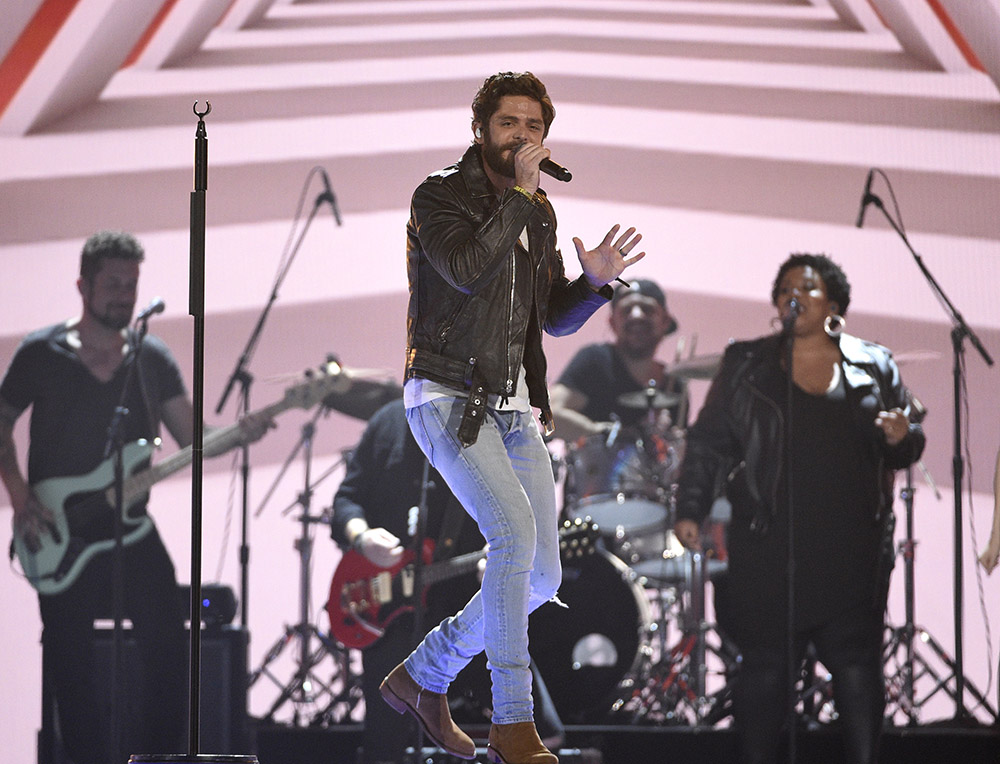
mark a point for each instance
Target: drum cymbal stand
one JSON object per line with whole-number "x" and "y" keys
{"x": 305, "y": 689}
{"x": 674, "y": 689}
{"x": 903, "y": 662}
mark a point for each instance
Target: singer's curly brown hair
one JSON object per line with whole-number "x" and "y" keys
{"x": 835, "y": 280}
{"x": 495, "y": 87}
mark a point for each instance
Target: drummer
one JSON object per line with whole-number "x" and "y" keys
{"x": 609, "y": 381}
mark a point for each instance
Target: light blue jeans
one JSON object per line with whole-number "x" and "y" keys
{"x": 504, "y": 481}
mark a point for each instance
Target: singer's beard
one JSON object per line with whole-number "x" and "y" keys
{"x": 494, "y": 157}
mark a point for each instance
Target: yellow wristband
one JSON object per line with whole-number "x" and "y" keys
{"x": 524, "y": 192}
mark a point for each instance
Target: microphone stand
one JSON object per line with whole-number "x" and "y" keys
{"x": 113, "y": 448}
{"x": 196, "y": 307}
{"x": 791, "y": 658}
{"x": 959, "y": 333}
{"x": 245, "y": 380}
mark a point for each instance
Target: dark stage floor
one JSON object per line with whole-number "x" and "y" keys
{"x": 929, "y": 744}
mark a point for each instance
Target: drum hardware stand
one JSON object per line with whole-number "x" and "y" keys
{"x": 673, "y": 690}
{"x": 305, "y": 688}
{"x": 900, "y": 683}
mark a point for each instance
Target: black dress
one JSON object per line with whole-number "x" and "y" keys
{"x": 836, "y": 534}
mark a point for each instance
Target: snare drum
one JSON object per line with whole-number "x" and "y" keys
{"x": 584, "y": 650}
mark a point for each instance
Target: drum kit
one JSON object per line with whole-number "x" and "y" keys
{"x": 633, "y": 645}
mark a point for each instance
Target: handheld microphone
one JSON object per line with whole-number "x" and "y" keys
{"x": 327, "y": 195}
{"x": 557, "y": 171}
{"x": 866, "y": 199}
{"x": 156, "y": 306}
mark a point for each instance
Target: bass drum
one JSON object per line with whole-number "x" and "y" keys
{"x": 585, "y": 649}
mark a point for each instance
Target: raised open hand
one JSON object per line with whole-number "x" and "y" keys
{"x": 610, "y": 258}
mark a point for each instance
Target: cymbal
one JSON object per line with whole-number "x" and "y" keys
{"x": 698, "y": 367}
{"x": 648, "y": 399}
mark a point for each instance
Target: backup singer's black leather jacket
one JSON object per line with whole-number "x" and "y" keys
{"x": 478, "y": 300}
{"x": 740, "y": 430}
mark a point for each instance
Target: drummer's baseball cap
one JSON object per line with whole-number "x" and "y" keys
{"x": 646, "y": 288}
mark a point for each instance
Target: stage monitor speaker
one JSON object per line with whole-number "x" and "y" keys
{"x": 223, "y": 696}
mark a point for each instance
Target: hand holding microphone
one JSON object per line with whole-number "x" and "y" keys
{"x": 527, "y": 165}
{"x": 525, "y": 157}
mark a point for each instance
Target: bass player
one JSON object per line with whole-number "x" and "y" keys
{"x": 72, "y": 375}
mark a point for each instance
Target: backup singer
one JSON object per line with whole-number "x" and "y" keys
{"x": 851, "y": 429}
{"x": 485, "y": 280}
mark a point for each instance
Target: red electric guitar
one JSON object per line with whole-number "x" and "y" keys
{"x": 365, "y": 599}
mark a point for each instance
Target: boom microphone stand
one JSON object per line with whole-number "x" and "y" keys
{"x": 245, "y": 379}
{"x": 959, "y": 333}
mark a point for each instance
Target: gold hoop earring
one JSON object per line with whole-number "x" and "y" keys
{"x": 834, "y": 325}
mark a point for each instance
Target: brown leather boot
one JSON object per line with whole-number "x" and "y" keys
{"x": 430, "y": 708}
{"x": 518, "y": 743}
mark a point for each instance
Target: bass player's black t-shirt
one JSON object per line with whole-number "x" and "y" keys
{"x": 72, "y": 409}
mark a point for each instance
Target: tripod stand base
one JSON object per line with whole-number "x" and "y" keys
{"x": 928, "y": 661}
{"x": 198, "y": 758}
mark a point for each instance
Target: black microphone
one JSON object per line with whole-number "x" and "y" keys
{"x": 866, "y": 199}
{"x": 156, "y": 306}
{"x": 549, "y": 167}
{"x": 557, "y": 171}
{"x": 794, "y": 309}
{"x": 327, "y": 196}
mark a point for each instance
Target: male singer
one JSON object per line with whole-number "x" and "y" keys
{"x": 485, "y": 280}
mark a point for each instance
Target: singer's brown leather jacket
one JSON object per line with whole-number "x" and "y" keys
{"x": 478, "y": 300}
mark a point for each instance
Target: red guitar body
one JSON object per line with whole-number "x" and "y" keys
{"x": 365, "y": 599}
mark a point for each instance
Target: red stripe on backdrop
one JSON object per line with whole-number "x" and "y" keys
{"x": 154, "y": 25}
{"x": 956, "y": 35}
{"x": 30, "y": 46}
{"x": 880, "y": 16}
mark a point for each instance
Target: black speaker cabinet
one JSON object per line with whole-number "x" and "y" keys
{"x": 223, "y": 698}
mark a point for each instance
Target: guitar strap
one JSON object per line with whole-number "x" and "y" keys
{"x": 451, "y": 526}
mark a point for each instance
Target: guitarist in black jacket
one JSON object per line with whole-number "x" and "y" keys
{"x": 371, "y": 516}
{"x": 72, "y": 375}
